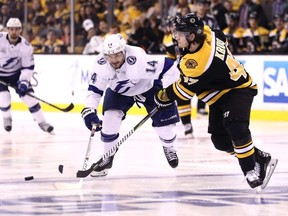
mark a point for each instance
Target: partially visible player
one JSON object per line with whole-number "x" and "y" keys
{"x": 209, "y": 70}
{"x": 173, "y": 52}
{"x": 16, "y": 69}
{"x": 125, "y": 75}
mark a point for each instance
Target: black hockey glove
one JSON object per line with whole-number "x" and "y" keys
{"x": 22, "y": 88}
{"x": 90, "y": 118}
{"x": 161, "y": 99}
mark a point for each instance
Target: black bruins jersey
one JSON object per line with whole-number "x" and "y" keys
{"x": 209, "y": 72}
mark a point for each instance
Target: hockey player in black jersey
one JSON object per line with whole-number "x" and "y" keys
{"x": 209, "y": 70}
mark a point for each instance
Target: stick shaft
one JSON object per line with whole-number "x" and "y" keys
{"x": 85, "y": 173}
{"x": 67, "y": 109}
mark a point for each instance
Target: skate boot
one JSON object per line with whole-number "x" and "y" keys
{"x": 7, "y": 124}
{"x": 264, "y": 166}
{"x": 253, "y": 179}
{"x": 105, "y": 164}
{"x": 46, "y": 127}
{"x": 171, "y": 156}
{"x": 188, "y": 130}
{"x": 262, "y": 161}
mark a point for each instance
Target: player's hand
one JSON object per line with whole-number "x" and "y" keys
{"x": 22, "y": 88}
{"x": 161, "y": 99}
{"x": 90, "y": 118}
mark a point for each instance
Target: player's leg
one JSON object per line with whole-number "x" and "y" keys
{"x": 37, "y": 113}
{"x": 5, "y": 107}
{"x": 184, "y": 109}
{"x": 164, "y": 123}
{"x": 236, "y": 109}
{"x": 115, "y": 107}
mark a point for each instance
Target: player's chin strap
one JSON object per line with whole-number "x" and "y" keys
{"x": 85, "y": 173}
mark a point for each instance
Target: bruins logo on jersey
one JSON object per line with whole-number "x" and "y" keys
{"x": 191, "y": 64}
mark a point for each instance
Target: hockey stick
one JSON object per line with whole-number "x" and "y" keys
{"x": 85, "y": 173}
{"x": 67, "y": 109}
{"x": 77, "y": 186}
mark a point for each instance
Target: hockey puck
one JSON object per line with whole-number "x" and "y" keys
{"x": 28, "y": 178}
{"x": 60, "y": 168}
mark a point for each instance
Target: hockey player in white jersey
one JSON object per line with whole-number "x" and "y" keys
{"x": 16, "y": 69}
{"x": 123, "y": 75}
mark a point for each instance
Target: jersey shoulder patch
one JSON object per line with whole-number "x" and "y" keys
{"x": 102, "y": 61}
{"x": 131, "y": 60}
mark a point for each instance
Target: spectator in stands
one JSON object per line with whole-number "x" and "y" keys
{"x": 279, "y": 7}
{"x": 115, "y": 28}
{"x": 35, "y": 11}
{"x": 103, "y": 28}
{"x": 176, "y": 9}
{"x": 5, "y": 14}
{"x": 91, "y": 14}
{"x": 255, "y": 37}
{"x": 285, "y": 50}
{"x": 61, "y": 12}
{"x": 202, "y": 11}
{"x": 277, "y": 36}
{"x": 246, "y": 8}
{"x": 219, "y": 11}
{"x": 94, "y": 42}
{"x": 136, "y": 33}
{"x": 53, "y": 45}
{"x": 234, "y": 34}
{"x": 18, "y": 10}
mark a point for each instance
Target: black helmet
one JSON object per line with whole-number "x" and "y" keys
{"x": 170, "y": 20}
{"x": 190, "y": 23}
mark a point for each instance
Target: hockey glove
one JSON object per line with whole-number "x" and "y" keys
{"x": 161, "y": 99}
{"x": 90, "y": 117}
{"x": 22, "y": 88}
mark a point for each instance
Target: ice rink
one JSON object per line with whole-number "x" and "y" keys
{"x": 206, "y": 182}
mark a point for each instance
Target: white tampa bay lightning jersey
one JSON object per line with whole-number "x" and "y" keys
{"x": 15, "y": 58}
{"x": 134, "y": 77}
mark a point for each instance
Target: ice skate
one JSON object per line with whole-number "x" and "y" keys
{"x": 270, "y": 170}
{"x": 7, "y": 122}
{"x": 264, "y": 166}
{"x": 262, "y": 161}
{"x": 253, "y": 179}
{"x": 171, "y": 156}
{"x": 188, "y": 130}
{"x": 104, "y": 164}
{"x": 46, "y": 127}
{"x": 99, "y": 174}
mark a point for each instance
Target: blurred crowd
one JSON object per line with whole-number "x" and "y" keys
{"x": 251, "y": 26}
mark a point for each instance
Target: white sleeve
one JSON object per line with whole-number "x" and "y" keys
{"x": 27, "y": 59}
{"x": 171, "y": 76}
{"x": 97, "y": 85}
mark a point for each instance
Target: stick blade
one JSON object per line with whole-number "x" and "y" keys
{"x": 69, "y": 108}
{"x": 84, "y": 173}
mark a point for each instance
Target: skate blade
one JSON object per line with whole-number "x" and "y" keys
{"x": 272, "y": 165}
{"x": 99, "y": 174}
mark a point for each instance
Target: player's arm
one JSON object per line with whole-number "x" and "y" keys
{"x": 27, "y": 60}
{"x": 178, "y": 89}
{"x": 170, "y": 72}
